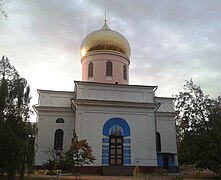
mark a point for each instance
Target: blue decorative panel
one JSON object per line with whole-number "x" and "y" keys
{"x": 105, "y": 156}
{"x": 127, "y": 146}
{"x": 105, "y": 151}
{"x": 105, "y": 161}
{"x": 127, "y": 161}
{"x": 105, "y": 146}
{"x": 127, "y": 151}
{"x": 105, "y": 140}
{"x": 171, "y": 160}
{"x": 127, "y": 156}
{"x": 126, "y": 141}
{"x": 116, "y": 122}
{"x": 160, "y": 162}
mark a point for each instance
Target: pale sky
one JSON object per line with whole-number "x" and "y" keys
{"x": 171, "y": 41}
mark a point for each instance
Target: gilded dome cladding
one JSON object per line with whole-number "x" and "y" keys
{"x": 105, "y": 39}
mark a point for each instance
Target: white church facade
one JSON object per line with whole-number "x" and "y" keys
{"x": 126, "y": 125}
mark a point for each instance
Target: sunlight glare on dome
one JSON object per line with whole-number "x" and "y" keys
{"x": 83, "y": 52}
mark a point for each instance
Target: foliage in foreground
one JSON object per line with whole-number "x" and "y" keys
{"x": 79, "y": 154}
{"x": 198, "y": 119}
{"x": 16, "y": 132}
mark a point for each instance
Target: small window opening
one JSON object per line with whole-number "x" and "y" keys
{"x": 60, "y": 120}
{"x": 125, "y": 72}
{"x": 109, "y": 69}
{"x": 91, "y": 70}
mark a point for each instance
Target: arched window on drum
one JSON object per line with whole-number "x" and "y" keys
{"x": 109, "y": 68}
{"x": 91, "y": 70}
{"x": 124, "y": 72}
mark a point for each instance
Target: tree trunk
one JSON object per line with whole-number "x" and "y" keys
{"x": 11, "y": 175}
{"x": 2, "y": 174}
{"x": 22, "y": 172}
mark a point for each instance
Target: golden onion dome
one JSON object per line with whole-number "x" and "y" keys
{"x": 105, "y": 39}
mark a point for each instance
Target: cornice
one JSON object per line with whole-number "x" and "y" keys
{"x": 165, "y": 114}
{"x": 51, "y": 109}
{"x": 87, "y": 102}
{"x": 114, "y": 85}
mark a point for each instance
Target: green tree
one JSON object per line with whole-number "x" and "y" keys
{"x": 79, "y": 154}
{"x": 198, "y": 128}
{"x": 16, "y": 132}
{"x": 211, "y": 158}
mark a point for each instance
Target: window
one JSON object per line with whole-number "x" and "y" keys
{"x": 158, "y": 139}
{"x": 58, "y": 139}
{"x": 91, "y": 70}
{"x": 125, "y": 72}
{"x": 109, "y": 68}
{"x": 60, "y": 120}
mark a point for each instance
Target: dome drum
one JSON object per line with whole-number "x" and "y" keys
{"x": 99, "y": 61}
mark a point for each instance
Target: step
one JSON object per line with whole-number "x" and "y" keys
{"x": 116, "y": 170}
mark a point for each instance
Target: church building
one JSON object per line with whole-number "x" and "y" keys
{"x": 126, "y": 125}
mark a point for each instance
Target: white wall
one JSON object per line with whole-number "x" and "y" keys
{"x": 167, "y": 130}
{"x": 53, "y": 105}
{"x": 166, "y": 104}
{"x": 91, "y": 118}
{"x": 55, "y": 98}
{"x": 112, "y": 92}
{"x": 46, "y": 130}
{"x": 90, "y": 121}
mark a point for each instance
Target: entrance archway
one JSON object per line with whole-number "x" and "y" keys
{"x": 116, "y": 148}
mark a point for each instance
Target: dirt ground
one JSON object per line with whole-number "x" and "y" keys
{"x": 96, "y": 177}
{"x": 196, "y": 174}
{"x": 190, "y": 174}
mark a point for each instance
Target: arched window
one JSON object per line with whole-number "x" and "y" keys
{"x": 58, "y": 139}
{"x": 158, "y": 141}
{"x": 109, "y": 68}
{"x": 125, "y": 72}
{"x": 91, "y": 70}
{"x": 60, "y": 120}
